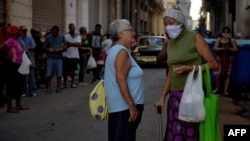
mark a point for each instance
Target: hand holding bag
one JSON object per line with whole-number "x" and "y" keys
{"x": 97, "y": 102}
{"x": 191, "y": 108}
{"x": 91, "y": 62}
{"x": 209, "y": 128}
{"x": 25, "y": 65}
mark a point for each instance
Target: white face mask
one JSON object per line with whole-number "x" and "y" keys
{"x": 43, "y": 33}
{"x": 173, "y": 31}
{"x": 226, "y": 35}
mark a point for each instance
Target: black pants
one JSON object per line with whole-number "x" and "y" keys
{"x": 2, "y": 83}
{"x": 119, "y": 129}
{"x": 83, "y": 65}
{"x": 13, "y": 79}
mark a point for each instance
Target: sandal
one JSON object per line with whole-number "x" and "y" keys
{"x": 22, "y": 108}
{"x": 226, "y": 93}
{"x": 12, "y": 111}
{"x": 215, "y": 90}
{"x": 73, "y": 86}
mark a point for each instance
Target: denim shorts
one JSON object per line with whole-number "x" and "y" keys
{"x": 54, "y": 66}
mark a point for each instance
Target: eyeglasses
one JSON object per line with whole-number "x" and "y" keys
{"x": 130, "y": 29}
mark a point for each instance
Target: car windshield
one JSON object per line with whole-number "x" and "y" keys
{"x": 152, "y": 41}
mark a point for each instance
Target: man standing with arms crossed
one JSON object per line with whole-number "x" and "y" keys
{"x": 54, "y": 45}
{"x": 73, "y": 42}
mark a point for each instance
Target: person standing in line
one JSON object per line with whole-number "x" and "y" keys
{"x": 225, "y": 48}
{"x": 95, "y": 43}
{"x": 28, "y": 45}
{"x": 107, "y": 43}
{"x": 2, "y": 73}
{"x": 185, "y": 49}
{"x": 84, "y": 52}
{"x": 123, "y": 84}
{"x": 71, "y": 59}
{"x": 54, "y": 45}
{"x": 40, "y": 56}
{"x": 13, "y": 58}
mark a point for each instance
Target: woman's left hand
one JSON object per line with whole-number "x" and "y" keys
{"x": 181, "y": 69}
{"x": 134, "y": 113}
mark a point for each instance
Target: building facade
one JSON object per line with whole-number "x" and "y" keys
{"x": 144, "y": 15}
{"x": 232, "y": 13}
{"x": 184, "y": 6}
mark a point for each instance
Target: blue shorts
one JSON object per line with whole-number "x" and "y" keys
{"x": 54, "y": 66}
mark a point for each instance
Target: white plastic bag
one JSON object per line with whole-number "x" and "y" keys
{"x": 25, "y": 65}
{"x": 91, "y": 62}
{"x": 191, "y": 108}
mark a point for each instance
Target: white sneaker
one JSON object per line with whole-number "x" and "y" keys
{"x": 34, "y": 94}
{"x": 23, "y": 95}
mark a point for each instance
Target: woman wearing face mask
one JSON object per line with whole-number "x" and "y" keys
{"x": 225, "y": 47}
{"x": 184, "y": 49}
{"x": 40, "y": 58}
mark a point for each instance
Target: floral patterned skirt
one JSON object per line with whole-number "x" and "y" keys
{"x": 176, "y": 129}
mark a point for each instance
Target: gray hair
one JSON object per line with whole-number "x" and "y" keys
{"x": 116, "y": 27}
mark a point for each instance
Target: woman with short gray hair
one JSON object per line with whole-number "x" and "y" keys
{"x": 123, "y": 86}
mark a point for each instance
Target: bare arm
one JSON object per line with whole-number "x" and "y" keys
{"x": 73, "y": 44}
{"x": 161, "y": 101}
{"x": 47, "y": 48}
{"x": 86, "y": 48}
{"x": 216, "y": 45}
{"x": 162, "y": 56}
{"x": 235, "y": 48}
{"x": 122, "y": 66}
{"x": 203, "y": 49}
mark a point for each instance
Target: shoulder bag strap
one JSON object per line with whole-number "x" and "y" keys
{"x": 207, "y": 80}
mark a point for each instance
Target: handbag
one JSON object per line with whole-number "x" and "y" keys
{"x": 91, "y": 62}
{"x": 101, "y": 58}
{"x": 97, "y": 102}
{"x": 191, "y": 108}
{"x": 25, "y": 65}
{"x": 209, "y": 128}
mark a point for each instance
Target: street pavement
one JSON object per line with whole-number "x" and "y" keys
{"x": 66, "y": 116}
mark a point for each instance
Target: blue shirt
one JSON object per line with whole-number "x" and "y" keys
{"x": 135, "y": 83}
{"x": 27, "y": 41}
{"x": 54, "y": 42}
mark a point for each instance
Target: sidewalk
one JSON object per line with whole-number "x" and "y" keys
{"x": 229, "y": 114}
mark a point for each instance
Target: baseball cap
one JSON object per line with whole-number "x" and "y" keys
{"x": 22, "y": 28}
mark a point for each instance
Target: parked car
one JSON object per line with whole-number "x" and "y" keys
{"x": 147, "y": 49}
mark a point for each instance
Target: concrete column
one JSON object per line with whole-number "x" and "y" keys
{"x": 70, "y": 13}
{"x": 104, "y": 15}
{"x": 133, "y": 9}
{"x": 119, "y": 9}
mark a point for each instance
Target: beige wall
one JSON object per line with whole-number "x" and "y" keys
{"x": 19, "y": 12}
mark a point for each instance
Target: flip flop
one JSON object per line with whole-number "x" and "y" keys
{"x": 12, "y": 111}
